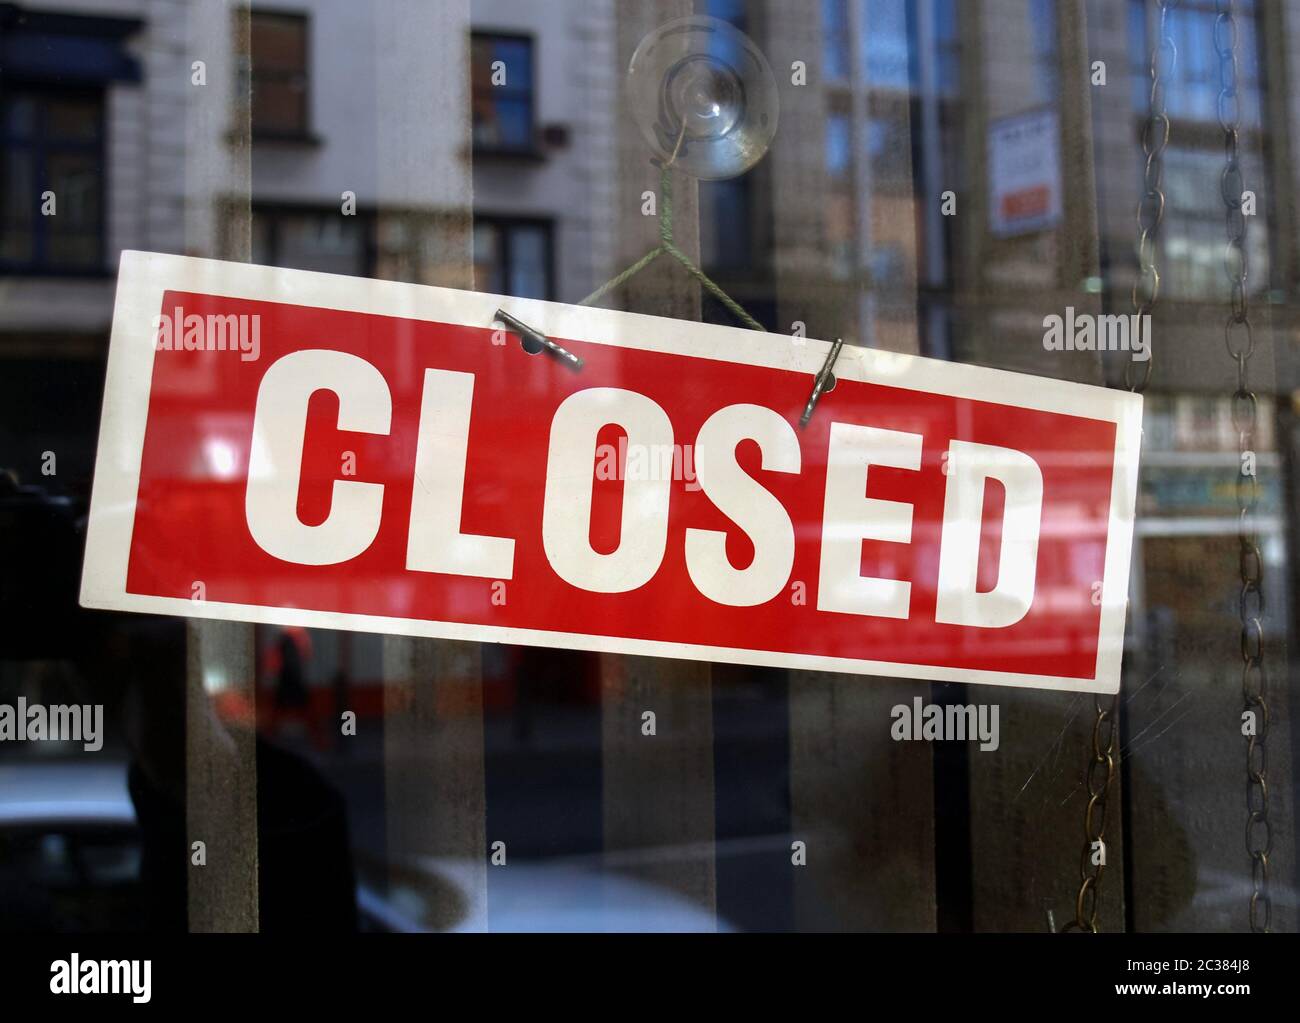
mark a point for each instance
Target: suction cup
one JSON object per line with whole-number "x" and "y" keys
{"x": 704, "y": 97}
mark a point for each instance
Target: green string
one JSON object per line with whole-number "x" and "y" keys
{"x": 667, "y": 246}
{"x": 622, "y": 278}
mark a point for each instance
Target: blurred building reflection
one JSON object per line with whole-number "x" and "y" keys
{"x": 945, "y": 176}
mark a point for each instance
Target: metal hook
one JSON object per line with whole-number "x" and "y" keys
{"x": 824, "y": 376}
{"x": 533, "y": 341}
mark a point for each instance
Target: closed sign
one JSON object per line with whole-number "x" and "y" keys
{"x": 298, "y": 448}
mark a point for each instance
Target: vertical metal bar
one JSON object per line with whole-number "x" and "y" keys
{"x": 435, "y": 798}
{"x": 658, "y": 789}
{"x": 1031, "y": 784}
{"x": 221, "y": 780}
{"x": 1080, "y": 250}
{"x": 435, "y": 808}
{"x": 859, "y": 127}
{"x": 221, "y": 767}
{"x": 933, "y": 171}
{"x": 1277, "y": 26}
{"x": 862, "y": 804}
{"x": 931, "y": 147}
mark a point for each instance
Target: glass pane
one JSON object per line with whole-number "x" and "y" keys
{"x": 279, "y": 105}
{"x": 19, "y": 115}
{"x": 887, "y": 144}
{"x": 326, "y": 242}
{"x": 74, "y": 233}
{"x": 503, "y": 124}
{"x": 489, "y": 272}
{"x": 517, "y": 56}
{"x": 529, "y": 262}
{"x": 889, "y": 29}
{"x": 279, "y": 42}
{"x": 835, "y": 36}
{"x": 481, "y": 57}
{"x": 948, "y": 43}
{"x": 1041, "y": 15}
{"x": 20, "y": 203}
{"x": 72, "y": 120}
{"x": 502, "y": 85}
{"x": 919, "y": 227}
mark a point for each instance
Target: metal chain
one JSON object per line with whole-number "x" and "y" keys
{"x": 1151, "y": 207}
{"x": 1240, "y": 342}
{"x": 1100, "y": 774}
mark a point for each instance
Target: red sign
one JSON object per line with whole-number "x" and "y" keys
{"x": 298, "y": 448}
{"x": 1030, "y": 202}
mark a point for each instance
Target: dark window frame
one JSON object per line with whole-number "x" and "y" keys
{"x": 274, "y": 213}
{"x": 39, "y": 265}
{"x": 528, "y": 92}
{"x": 304, "y": 132}
{"x": 503, "y": 223}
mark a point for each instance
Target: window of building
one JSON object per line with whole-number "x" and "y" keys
{"x": 732, "y": 11}
{"x": 1192, "y": 89}
{"x": 503, "y": 94}
{"x": 726, "y": 223}
{"x": 889, "y": 44}
{"x": 279, "y": 73}
{"x": 835, "y": 40}
{"x": 947, "y": 42}
{"x": 727, "y": 206}
{"x": 1193, "y": 231}
{"x": 889, "y": 146}
{"x": 53, "y": 144}
{"x": 840, "y": 201}
{"x": 307, "y": 239}
{"x": 513, "y": 257}
{"x": 1046, "y": 55}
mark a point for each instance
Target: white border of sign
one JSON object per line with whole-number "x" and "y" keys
{"x": 143, "y": 278}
